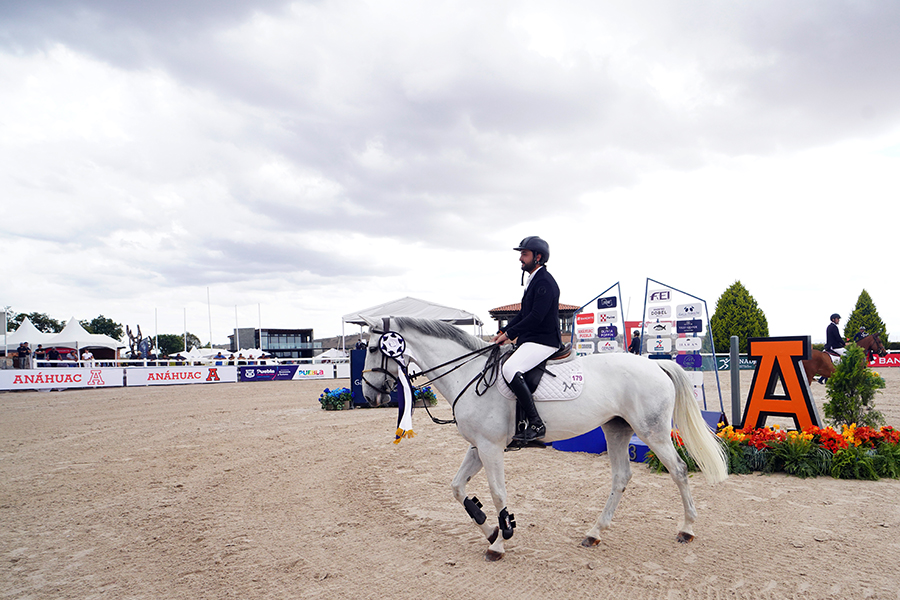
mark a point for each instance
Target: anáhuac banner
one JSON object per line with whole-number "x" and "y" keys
{"x": 58, "y": 378}
{"x": 139, "y": 376}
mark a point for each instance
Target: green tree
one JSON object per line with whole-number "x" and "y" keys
{"x": 865, "y": 315}
{"x": 104, "y": 326}
{"x": 170, "y": 343}
{"x": 737, "y": 313}
{"x": 851, "y": 391}
{"x": 41, "y": 321}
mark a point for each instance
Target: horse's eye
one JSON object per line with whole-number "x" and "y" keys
{"x": 373, "y": 349}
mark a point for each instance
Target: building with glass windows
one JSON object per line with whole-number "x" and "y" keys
{"x": 281, "y": 343}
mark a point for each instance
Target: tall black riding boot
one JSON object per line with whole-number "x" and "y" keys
{"x": 535, "y": 429}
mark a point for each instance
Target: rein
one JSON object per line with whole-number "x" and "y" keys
{"x": 482, "y": 381}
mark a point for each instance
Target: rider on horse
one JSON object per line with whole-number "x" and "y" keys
{"x": 834, "y": 343}
{"x": 535, "y": 328}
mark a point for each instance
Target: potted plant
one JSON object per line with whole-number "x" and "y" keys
{"x": 425, "y": 395}
{"x": 337, "y": 399}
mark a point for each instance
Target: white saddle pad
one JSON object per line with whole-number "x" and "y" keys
{"x": 567, "y": 384}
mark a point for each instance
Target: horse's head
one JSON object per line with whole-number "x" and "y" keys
{"x": 879, "y": 346}
{"x": 379, "y": 376}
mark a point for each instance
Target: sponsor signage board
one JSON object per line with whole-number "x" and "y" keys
{"x": 606, "y": 303}
{"x": 890, "y": 360}
{"x": 661, "y": 328}
{"x": 267, "y": 373}
{"x": 584, "y": 318}
{"x": 57, "y": 378}
{"x": 312, "y": 372}
{"x": 659, "y": 296}
{"x": 609, "y": 316}
{"x": 663, "y": 345}
{"x": 690, "y": 361}
{"x": 607, "y": 333}
{"x": 585, "y": 333}
{"x": 691, "y": 344}
{"x": 691, "y": 326}
{"x": 607, "y": 346}
{"x": 692, "y": 310}
{"x": 584, "y": 348}
{"x": 139, "y": 376}
{"x": 659, "y": 312}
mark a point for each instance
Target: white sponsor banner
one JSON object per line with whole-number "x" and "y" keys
{"x": 691, "y": 344}
{"x": 659, "y": 296}
{"x": 693, "y": 310}
{"x": 610, "y": 316}
{"x": 314, "y": 372}
{"x": 584, "y": 348}
{"x": 663, "y": 328}
{"x": 63, "y": 377}
{"x": 138, "y": 376}
{"x": 663, "y": 345}
{"x": 585, "y": 333}
{"x": 696, "y": 377}
{"x": 607, "y": 346}
{"x": 659, "y": 312}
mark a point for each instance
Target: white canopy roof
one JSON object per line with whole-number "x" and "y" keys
{"x": 329, "y": 354}
{"x": 74, "y": 335}
{"x": 27, "y": 332}
{"x": 413, "y": 307}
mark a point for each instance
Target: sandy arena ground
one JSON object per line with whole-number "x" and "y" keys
{"x": 251, "y": 491}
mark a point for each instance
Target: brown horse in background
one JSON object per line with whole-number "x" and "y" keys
{"x": 819, "y": 363}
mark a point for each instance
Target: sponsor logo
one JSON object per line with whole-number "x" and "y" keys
{"x": 891, "y": 360}
{"x": 661, "y": 328}
{"x": 174, "y": 376}
{"x": 607, "y": 346}
{"x": 692, "y": 326}
{"x": 584, "y": 332}
{"x": 584, "y": 318}
{"x": 659, "y": 312}
{"x": 694, "y": 310}
{"x": 42, "y": 377}
{"x": 607, "y": 317}
{"x": 660, "y": 345}
{"x": 688, "y": 344}
{"x": 689, "y": 361}
{"x": 584, "y": 348}
{"x": 607, "y": 333}
{"x": 608, "y": 302}
{"x": 660, "y": 296}
{"x": 96, "y": 378}
{"x": 213, "y": 375}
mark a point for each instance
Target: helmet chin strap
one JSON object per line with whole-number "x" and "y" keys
{"x": 529, "y": 269}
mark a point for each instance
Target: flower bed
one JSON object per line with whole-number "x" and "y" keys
{"x": 853, "y": 453}
{"x": 335, "y": 399}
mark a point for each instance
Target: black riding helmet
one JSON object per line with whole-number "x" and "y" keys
{"x": 537, "y": 246}
{"x": 835, "y": 316}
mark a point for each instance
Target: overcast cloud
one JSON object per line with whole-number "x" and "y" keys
{"x": 297, "y": 161}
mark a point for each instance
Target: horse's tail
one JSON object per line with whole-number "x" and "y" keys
{"x": 701, "y": 443}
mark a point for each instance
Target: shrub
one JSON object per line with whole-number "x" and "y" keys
{"x": 851, "y": 391}
{"x": 737, "y": 313}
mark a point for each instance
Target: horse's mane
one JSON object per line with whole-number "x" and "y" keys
{"x": 441, "y": 330}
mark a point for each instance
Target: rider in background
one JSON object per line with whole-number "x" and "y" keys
{"x": 860, "y": 334}
{"x": 834, "y": 343}
{"x": 635, "y": 346}
{"x": 535, "y": 329}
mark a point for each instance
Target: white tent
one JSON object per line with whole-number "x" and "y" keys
{"x": 27, "y": 332}
{"x": 330, "y": 354}
{"x": 74, "y": 335}
{"x": 413, "y": 307}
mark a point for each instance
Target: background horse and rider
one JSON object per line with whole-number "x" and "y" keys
{"x": 622, "y": 393}
{"x": 820, "y": 364}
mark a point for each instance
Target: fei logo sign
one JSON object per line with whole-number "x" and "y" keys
{"x": 660, "y": 296}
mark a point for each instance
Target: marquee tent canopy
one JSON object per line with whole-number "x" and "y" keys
{"x": 27, "y": 332}
{"x": 413, "y": 307}
{"x": 74, "y": 335}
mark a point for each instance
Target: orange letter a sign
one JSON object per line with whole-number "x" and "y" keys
{"x": 777, "y": 359}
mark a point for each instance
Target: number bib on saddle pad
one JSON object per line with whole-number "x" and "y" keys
{"x": 567, "y": 384}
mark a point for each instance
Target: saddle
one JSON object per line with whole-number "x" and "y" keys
{"x": 563, "y": 382}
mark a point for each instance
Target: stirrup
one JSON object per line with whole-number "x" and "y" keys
{"x": 531, "y": 433}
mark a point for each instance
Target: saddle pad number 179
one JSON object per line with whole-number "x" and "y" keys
{"x": 567, "y": 384}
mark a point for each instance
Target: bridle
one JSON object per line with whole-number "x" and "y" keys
{"x": 393, "y": 348}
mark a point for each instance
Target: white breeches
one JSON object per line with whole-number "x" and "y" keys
{"x": 526, "y": 357}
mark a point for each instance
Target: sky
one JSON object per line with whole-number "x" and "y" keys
{"x": 261, "y": 162}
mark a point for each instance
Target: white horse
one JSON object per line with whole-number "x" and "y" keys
{"x": 623, "y": 393}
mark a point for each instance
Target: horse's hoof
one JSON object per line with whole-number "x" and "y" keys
{"x": 493, "y": 537}
{"x": 492, "y": 555}
{"x": 683, "y": 537}
{"x": 590, "y": 542}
